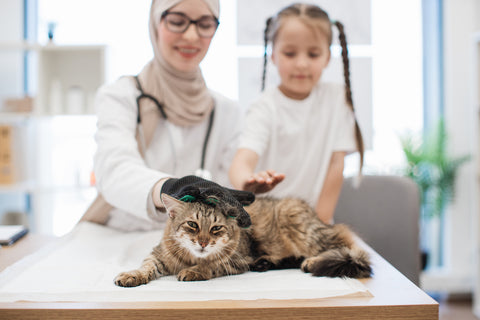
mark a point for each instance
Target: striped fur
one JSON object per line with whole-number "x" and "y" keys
{"x": 201, "y": 242}
{"x": 287, "y": 231}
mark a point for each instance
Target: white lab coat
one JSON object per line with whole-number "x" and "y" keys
{"x": 125, "y": 179}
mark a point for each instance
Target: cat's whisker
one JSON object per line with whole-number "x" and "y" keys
{"x": 222, "y": 263}
{"x": 226, "y": 264}
{"x": 234, "y": 266}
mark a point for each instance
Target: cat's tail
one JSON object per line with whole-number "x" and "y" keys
{"x": 342, "y": 262}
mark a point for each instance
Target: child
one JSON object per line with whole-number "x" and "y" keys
{"x": 303, "y": 128}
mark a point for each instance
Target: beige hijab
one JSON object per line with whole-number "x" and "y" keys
{"x": 184, "y": 95}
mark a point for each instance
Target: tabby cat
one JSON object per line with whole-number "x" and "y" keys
{"x": 201, "y": 242}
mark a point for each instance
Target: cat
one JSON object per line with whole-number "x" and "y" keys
{"x": 202, "y": 241}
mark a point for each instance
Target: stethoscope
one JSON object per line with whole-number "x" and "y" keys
{"x": 200, "y": 172}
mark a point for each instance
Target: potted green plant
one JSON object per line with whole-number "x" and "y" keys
{"x": 434, "y": 170}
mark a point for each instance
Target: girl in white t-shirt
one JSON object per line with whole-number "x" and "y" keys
{"x": 300, "y": 131}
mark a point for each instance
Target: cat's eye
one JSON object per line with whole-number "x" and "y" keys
{"x": 216, "y": 229}
{"x": 192, "y": 224}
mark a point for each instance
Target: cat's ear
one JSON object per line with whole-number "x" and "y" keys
{"x": 171, "y": 204}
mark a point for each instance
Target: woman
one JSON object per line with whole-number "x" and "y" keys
{"x": 165, "y": 122}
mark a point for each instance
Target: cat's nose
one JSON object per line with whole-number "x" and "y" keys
{"x": 203, "y": 243}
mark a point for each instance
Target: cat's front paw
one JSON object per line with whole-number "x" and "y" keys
{"x": 262, "y": 265}
{"x": 307, "y": 265}
{"x": 191, "y": 275}
{"x": 130, "y": 279}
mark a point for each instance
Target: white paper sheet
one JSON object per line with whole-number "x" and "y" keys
{"x": 82, "y": 265}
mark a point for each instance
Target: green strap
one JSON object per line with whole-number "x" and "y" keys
{"x": 187, "y": 198}
{"x": 211, "y": 201}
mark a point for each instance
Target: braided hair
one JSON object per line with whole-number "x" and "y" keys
{"x": 317, "y": 17}
{"x": 265, "y": 54}
{"x": 348, "y": 88}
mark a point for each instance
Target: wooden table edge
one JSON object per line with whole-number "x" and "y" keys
{"x": 416, "y": 306}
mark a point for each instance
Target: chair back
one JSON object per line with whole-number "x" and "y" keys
{"x": 384, "y": 211}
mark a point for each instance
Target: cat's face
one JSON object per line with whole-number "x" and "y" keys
{"x": 203, "y": 230}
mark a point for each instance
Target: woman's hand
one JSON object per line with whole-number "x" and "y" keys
{"x": 263, "y": 181}
{"x": 196, "y": 189}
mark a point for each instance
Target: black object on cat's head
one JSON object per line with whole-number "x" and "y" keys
{"x": 196, "y": 189}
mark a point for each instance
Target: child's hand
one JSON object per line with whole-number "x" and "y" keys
{"x": 263, "y": 181}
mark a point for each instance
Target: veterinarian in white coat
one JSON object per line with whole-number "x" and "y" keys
{"x": 164, "y": 123}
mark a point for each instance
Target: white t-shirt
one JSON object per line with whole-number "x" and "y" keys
{"x": 298, "y": 137}
{"x": 124, "y": 178}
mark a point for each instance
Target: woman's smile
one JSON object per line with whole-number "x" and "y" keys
{"x": 187, "y": 51}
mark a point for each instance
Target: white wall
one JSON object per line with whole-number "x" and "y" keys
{"x": 475, "y": 109}
{"x": 11, "y": 24}
{"x": 461, "y": 119}
{"x": 475, "y": 98}
{"x": 460, "y": 22}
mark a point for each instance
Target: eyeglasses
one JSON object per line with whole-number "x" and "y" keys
{"x": 179, "y": 23}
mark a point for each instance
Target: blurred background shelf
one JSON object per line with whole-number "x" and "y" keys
{"x": 20, "y": 187}
{"x": 47, "y": 119}
{"x": 14, "y": 117}
{"x": 63, "y": 80}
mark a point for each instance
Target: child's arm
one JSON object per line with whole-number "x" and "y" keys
{"x": 243, "y": 177}
{"x": 327, "y": 201}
